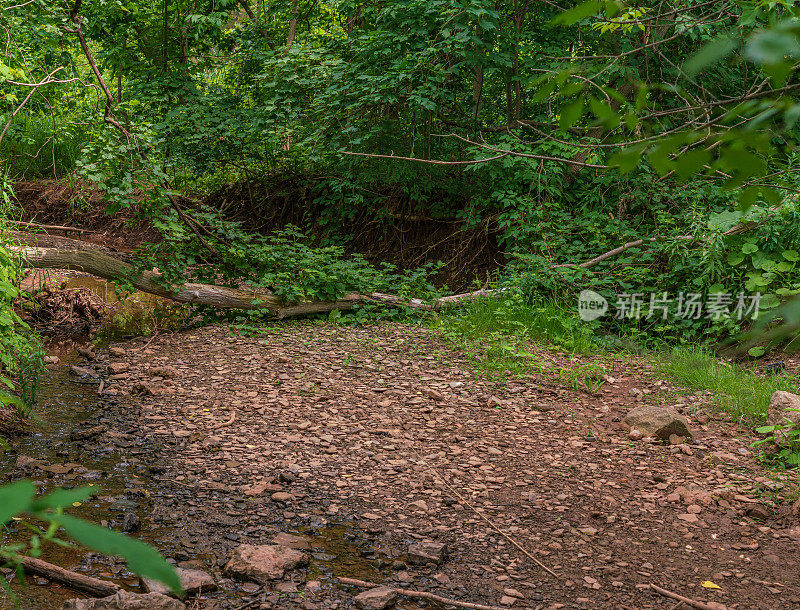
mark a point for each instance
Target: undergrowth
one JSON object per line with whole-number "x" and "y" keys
{"x": 511, "y": 337}
{"x": 739, "y": 390}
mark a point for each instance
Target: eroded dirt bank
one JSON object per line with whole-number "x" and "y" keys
{"x": 368, "y": 439}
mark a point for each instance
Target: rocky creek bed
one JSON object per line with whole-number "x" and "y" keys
{"x": 380, "y": 453}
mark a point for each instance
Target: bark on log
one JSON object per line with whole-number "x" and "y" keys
{"x": 73, "y": 580}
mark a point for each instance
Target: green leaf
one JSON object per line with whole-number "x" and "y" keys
{"x": 735, "y": 258}
{"x": 63, "y": 497}
{"x": 749, "y": 248}
{"x": 772, "y": 47}
{"x": 15, "y": 498}
{"x": 605, "y": 114}
{"x": 570, "y": 114}
{"x": 791, "y": 255}
{"x": 692, "y": 162}
{"x": 627, "y": 159}
{"x": 582, "y": 11}
{"x": 710, "y": 54}
{"x": 141, "y": 558}
{"x": 769, "y": 301}
{"x": 724, "y": 220}
{"x": 757, "y": 351}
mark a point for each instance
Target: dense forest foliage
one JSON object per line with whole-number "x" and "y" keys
{"x": 316, "y": 149}
{"x": 305, "y": 145}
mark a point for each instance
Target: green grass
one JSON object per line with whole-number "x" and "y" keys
{"x": 500, "y": 335}
{"x": 741, "y": 391}
{"x": 515, "y": 321}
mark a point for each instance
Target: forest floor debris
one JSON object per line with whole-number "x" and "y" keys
{"x": 371, "y": 428}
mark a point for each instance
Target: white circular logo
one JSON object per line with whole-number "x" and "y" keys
{"x": 591, "y": 305}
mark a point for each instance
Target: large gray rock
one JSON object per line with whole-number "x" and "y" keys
{"x": 378, "y": 598}
{"x": 658, "y": 421}
{"x": 264, "y": 563}
{"x": 126, "y": 601}
{"x": 784, "y": 408}
{"x": 192, "y": 581}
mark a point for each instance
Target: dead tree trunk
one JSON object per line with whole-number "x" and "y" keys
{"x": 102, "y": 265}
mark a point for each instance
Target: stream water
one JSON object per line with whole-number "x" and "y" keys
{"x": 124, "y": 478}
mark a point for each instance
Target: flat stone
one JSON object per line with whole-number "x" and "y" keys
{"x": 23, "y": 461}
{"x": 421, "y": 553}
{"x": 282, "y": 496}
{"x": 286, "y": 587}
{"x": 126, "y": 601}
{"x": 378, "y": 598}
{"x": 85, "y": 433}
{"x": 82, "y": 371}
{"x": 192, "y": 581}
{"x": 293, "y": 542}
{"x": 117, "y": 368}
{"x": 167, "y": 372}
{"x": 264, "y": 563}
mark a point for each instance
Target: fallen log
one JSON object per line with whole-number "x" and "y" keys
{"x": 102, "y": 265}
{"x": 73, "y": 580}
{"x": 108, "y": 267}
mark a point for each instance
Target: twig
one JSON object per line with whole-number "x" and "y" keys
{"x": 35, "y": 225}
{"x": 419, "y": 595}
{"x": 428, "y": 161}
{"x": 482, "y": 516}
{"x": 689, "y": 602}
{"x": 225, "y": 423}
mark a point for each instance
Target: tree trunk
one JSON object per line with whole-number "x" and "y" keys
{"x": 292, "y": 26}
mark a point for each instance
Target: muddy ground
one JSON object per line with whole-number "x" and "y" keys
{"x": 366, "y": 440}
